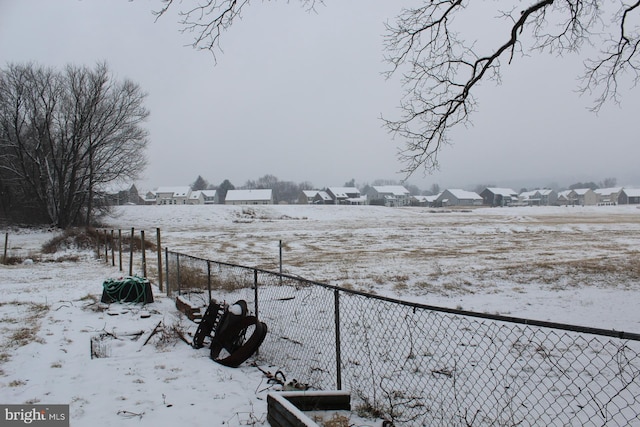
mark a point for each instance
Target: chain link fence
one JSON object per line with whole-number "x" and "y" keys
{"x": 413, "y": 364}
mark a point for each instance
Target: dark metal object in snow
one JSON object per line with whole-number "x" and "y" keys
{"x": 230, "y": 345}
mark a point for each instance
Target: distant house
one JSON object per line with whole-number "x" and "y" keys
{"x": 427, "y": 201}
{"x": 346, "y": 196}
{"x": 194, "y": 198}
{"x": 208, "y": 197}
{"x": 456, "y": 197}
{"x": 149, "y": 198}
{"x": 389, "y": 195}
{"x": 608, "y": 196}
{"x": 314, "y": 197}
{"x": 564, "y": 198}
{"x": 249, "y": 197}
{"x": 306, "y": 197}
{"x": 418, "y": 200}
{"x": 578, "y": 197}
{"x": 125, "y": 196}
{"x": 629, "y": 196}
{"x": 543, "y": 197}
{"x": 583, "y": 197}
{"x": 548, "y": 197}
{"x": 173, "y": 195}
{"x": 322, "y": 198}
{"x": 493, "y": 196}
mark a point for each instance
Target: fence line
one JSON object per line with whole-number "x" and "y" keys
{"x": 114, "y": 243}
{"x": 416, "y": 364}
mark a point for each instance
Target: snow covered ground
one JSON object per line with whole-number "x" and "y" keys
{"x": 578, "y": 265}
{"x": 575, "y": 265}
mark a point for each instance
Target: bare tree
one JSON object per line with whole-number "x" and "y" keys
{"x": 65, "y": 137}
{"x": 441, "y": 62}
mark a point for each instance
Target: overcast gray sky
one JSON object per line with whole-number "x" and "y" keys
{"x": 299, "y": 95}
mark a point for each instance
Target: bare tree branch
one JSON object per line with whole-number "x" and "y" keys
{"x": 209, "y": 19}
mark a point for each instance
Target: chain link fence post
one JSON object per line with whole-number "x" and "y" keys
{"x": 209, "y": 279}
{"x": 255, "y": 291}
{"x": 166, "y": 263}
{"x": 336, "y": 299}
{"x": 178, "y": 272}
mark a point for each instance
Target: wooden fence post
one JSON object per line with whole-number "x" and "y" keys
{"x": 131, "y": 253}
{"x": 144, "y": 256}
{"x": 6, "y": 243}
{"x": 98, "y": 243}
{"x": 113, "y": 250}
{"x": 120, "y": 249}
{"x": 106, "y": 247}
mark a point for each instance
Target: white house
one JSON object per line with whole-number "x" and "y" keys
{"x": 583, "y": 197}
{"x": 249, "y": 197}
{"x": 390, "y": 195}
{"x": 194, "y": 197}
{"x": 542, "y": 197}
{"x": 173, "y": 195}
{"x": 208, "y": 197}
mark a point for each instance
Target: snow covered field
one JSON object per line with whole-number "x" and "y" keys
{"x": 576, "y": 265}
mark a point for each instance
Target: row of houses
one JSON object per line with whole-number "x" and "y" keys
{"x": 390, "y": 195}
{"x": 186, "y": 196}
{"x": 387, "y": 195}
{"x": 548, "y": 197}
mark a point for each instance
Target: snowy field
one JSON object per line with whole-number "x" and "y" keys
{"x": 578, "y": 265}
{"x": 575, "y": 265}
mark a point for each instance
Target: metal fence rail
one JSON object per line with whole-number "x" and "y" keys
{"x": 414, "y": 364}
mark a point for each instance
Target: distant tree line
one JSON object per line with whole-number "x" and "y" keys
{"x": 66, "y": 137}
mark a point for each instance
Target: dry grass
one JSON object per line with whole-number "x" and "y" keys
{"x": 91, "y": 238}
{"x": 444, "y": 253}
{"x": 24, "y": 330}
{"x": 336, "y": 420}
{"x": 194, "y": 278}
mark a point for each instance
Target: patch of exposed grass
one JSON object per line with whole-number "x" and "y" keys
{"x": 72, "y": 238}
{"x": 89, "y": 298}
{"x": 13, "y": 260}
{"x": 23, "y": 336}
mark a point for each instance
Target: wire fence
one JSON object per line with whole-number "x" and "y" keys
{"x": 413, "y": 364}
